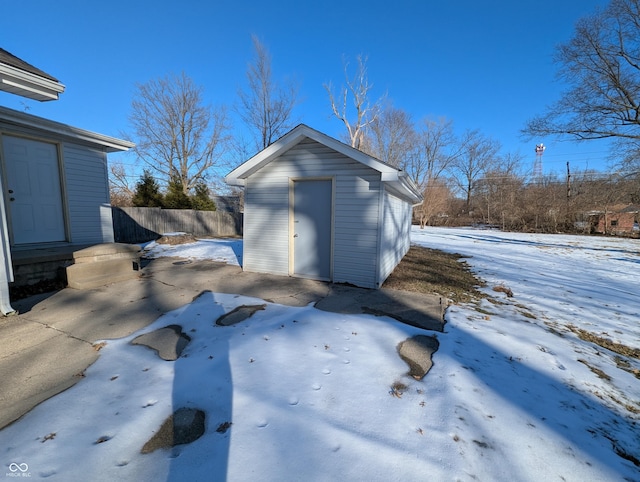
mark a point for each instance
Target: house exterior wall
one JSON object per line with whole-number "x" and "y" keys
{"x": 356, "y": 213}
{"x": 87, "y": 190}
{"x": 395, "y": 234}
{"x": 85, "y": 186}
{"x": 616, "y": 223}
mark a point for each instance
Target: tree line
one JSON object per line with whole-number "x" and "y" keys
{"x": 464, "y": 177}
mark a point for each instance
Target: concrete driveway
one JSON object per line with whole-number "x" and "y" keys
{"x": 46, "y": 348}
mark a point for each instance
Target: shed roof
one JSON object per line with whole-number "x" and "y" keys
{"x": 394, "y": 177}
{"x": 57, "y": 129}
{"x": 21, "y": 78}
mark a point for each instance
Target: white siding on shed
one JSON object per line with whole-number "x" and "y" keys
{"x": 266, "y": 221}
{"x": 356, "y": 224}
{"x": 87, "y": 189}
{"x": 395, "y": 235}
{"x": 371, "y": 207}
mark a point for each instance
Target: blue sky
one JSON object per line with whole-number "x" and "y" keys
{"x": 485, "y": 65}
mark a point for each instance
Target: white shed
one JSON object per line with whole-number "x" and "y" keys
{"x": 317, "y": 208}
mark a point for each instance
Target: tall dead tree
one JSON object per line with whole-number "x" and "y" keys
{"x": 265, "y": 106}
{"x": 362, "y": 112}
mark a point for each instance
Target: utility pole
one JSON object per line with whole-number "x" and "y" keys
{"x": 537, "y": 166}
{"x": 568, "y": 195}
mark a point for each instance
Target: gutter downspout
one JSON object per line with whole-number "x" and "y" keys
{"x": 6, "y": 271}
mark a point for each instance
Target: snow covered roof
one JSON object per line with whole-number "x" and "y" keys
{"x": 394, "y": 177}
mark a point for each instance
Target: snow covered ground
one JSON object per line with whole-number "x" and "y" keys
{"x": 224, "y": 250}
{"x": 514, "y": 394}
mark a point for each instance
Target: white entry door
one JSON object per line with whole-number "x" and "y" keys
{"x": 33, "y": 191}
{"x": 312, "y": 229}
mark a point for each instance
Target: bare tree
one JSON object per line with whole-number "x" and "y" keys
{"x": 176, "y": 134}
{"x": 364, "y": 113}
{"x": 497, "y": 192}
{"x": 477, "y": 153}
{"x": 120, "y": 189}
{"x": 434, "y": 150}
{"x": 601, "y": 63}
{"x": 626, "y": 156}
{"x": 437, "y": 196}
{"x": 391, "y": 136}
{"x": 265, "y": 106}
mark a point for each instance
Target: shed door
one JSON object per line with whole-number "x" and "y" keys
{"x": 33, "y": 190}
{"x": 312, "y": 229}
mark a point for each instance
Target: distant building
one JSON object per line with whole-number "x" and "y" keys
{"x": 622, "y": 220}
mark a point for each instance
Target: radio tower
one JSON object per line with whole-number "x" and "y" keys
{"x": 537, "y": 166}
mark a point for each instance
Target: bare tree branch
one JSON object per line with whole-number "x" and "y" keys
{"x": 434, "y": 151}
{"x": 265, "y": 106}
{"x": 601, "y": 64}
{"x": 120, "y": 189}
{"x": 391, "y": 136}
{"x": 176, "y": 135}
{"x": 357, "y": 88}
{"x": 478, "y": 154}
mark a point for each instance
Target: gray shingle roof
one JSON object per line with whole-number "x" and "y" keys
{"x": 13, "y": 61}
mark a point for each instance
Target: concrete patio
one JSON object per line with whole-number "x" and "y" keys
{"x": 46, "y": 348}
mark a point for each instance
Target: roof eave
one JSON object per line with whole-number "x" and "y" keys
{"x": 403, "y": 185}
{"x": 26, "y": 84}
{"x": 108, "y": 143}
{"x": 238, "y": 176}
{"x": 293, "y": 137}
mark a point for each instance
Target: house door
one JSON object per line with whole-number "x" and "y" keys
{"x": 312, "y": 202}
{"x": 33, "y": 188}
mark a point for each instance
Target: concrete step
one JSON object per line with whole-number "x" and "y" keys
{"x": 103, "y": 264}
{"x": 101, "y": 252}
{"x": 84, "y": 276}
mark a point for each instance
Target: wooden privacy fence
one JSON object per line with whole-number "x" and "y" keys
{"x": 138, "y": 225}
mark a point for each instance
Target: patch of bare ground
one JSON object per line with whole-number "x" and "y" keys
{"x": 595, "y": 370}
{"x": 426, "y": 270}
{"x": 173, "y": 239}
{"x": 618, "y": 348}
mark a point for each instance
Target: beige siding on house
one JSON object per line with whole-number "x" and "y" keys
{"x": 87, "y": 194}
